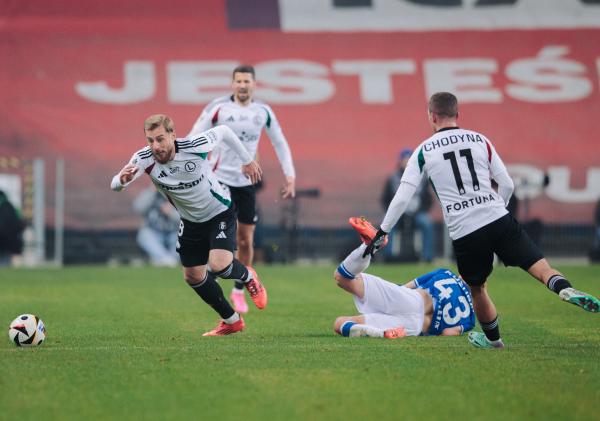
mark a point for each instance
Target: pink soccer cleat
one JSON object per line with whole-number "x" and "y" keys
{"x": 224, "y": 329}
{"x": 257, "y": 291}
{"x": 397, "y": 332}
{"x": 239, "y": 301}
{"x": 365, "y": 229}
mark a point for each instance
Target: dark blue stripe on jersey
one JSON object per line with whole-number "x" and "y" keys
{"x": 146, "y": 154}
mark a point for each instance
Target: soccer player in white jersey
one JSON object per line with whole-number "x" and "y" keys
{"x": 247, "y": 117}
{"x": 437, "y": 303}
{"x": 206, "y": 240}
{"x": 460, "y": 164}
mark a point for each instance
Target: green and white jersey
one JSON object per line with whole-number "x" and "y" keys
{"x": 188, "y": 181}
{"x": 460, "y": 164}
{"x": 247, "y": 122}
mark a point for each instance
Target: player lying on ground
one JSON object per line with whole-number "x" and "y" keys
{"x": 437, "y": 303}
{"x": 180, "y": 171}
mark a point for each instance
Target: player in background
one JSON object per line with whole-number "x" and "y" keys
{"x": 460, "y": 164}
{"x": 437, "y": 303}
{"x": 179, "y": 169}
{"x": 247, "y": 117}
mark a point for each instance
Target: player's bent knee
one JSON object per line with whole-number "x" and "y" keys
{"x": 338, "y": 277}
{"x": 337, "y": 325}
{"x": 194, "y": 278}
{"x": 219, "y": 261}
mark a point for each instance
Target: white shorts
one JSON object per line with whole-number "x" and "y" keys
{"x": 387, "y": 305}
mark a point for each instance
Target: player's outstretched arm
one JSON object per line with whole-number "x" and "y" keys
{"x": 127, "y": 174}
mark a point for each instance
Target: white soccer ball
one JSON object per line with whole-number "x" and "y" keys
{"x": 27, "y": 330}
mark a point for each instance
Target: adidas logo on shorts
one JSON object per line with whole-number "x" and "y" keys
{"x": 221, "y": 235}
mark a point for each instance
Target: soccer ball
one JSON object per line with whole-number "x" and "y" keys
{"x": 27, "y": 330}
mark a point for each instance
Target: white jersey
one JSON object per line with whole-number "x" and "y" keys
{"x": 460, "y": 165}
{"x": 188, "y": 181}
{"x": 247, "y": 123}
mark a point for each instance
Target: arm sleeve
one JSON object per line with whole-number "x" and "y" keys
{"x": 399, "y": 203}
{"x": 499, "y": 173}
{"x": 208, "y": 140}
{"x": 280, "y": 144}
{"x": 115, "y": 183}
{"x": 204, "y": 122}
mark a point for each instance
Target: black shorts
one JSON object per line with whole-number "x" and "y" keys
{"x": 244, "y": 199}
{"x": 196, "y": 239}
{"x": 506, "y": 238}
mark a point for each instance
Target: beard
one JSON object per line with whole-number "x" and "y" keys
{"x": 162, "y": 157}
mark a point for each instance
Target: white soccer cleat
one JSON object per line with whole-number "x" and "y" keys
{"x": 579, "y": 298}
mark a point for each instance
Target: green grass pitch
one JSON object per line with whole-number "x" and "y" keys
{"x": 125, "y": 343}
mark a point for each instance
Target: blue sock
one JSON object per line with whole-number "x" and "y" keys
{"x": 345, "y": 329}
{"x": 345, "y": 272}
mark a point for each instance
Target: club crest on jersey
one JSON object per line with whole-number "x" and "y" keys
{"x": 257, "y": 120}
{"x": 190, "y": 166}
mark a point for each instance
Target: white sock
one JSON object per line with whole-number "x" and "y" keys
{"x": 355, "y": 263}
{"x": 354, "y": 330}
{"x": 231, "y": 320}
{"x": 237, "y": 291}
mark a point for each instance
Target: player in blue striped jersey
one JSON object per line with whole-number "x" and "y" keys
{"x": 452, "y": 303}
{"x": 437, "y": 303}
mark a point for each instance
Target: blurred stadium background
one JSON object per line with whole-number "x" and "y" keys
{"x": 348, "y": 80}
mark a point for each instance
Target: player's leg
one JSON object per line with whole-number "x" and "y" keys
{"x": 356, "y": 326}
{"x": 193, "y": 251}
{"x": 347, "y": 275}
{"x": 227, "y": 267}
{"x": 354, "y": 286}
{"x": 555, "y": 281}
{"x": 517, "y": 249}
{"x": 245, "y": 240}
{"x": 204, "y": 283}
{"x": 474, "y": 258}
{"x": 245, "y": 203}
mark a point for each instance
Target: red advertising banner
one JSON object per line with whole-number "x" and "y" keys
{"x": 79, "y": 83}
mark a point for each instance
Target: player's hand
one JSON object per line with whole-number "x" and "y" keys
{"x": 127, "y": 173}
{"x": 289, "y": 190}
{"x": 252, "y": 171}
{"x": 375, "y": 243}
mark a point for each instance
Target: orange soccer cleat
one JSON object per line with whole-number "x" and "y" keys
{"x": 365, "y": 229}
{"x": 397, "y": 332}
{"x": 224, "y": 329}
{"x": 257, "y": 291}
